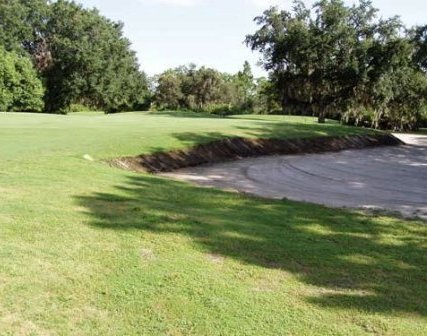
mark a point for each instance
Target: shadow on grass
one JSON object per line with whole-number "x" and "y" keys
{"x": 256, "y": 129}
{"x": 184, "y": 114}
{"x": 356, "y": 261}
{"x": 281, "y": 130}
{"x": 302, "y": 130}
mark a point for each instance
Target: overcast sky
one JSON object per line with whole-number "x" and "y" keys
{"x": 168, "y": 33}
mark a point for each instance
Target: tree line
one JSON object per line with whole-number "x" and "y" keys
{"x": 205, "y": 89}
{"x": 329, "y": 60}
{"x": 345, "y": 62}
{"x": 77, "y": 55}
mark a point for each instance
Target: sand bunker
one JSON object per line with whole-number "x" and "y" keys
{"x": 388, "y": 178}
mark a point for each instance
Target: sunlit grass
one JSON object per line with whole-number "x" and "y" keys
{"x": 87, "y": 249}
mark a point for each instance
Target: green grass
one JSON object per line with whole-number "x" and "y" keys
{"x": 87, "y": 249}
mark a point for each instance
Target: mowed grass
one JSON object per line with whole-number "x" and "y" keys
{"x": 87, "y": 249}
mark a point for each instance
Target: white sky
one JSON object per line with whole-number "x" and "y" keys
{"x": 168, "y": 33}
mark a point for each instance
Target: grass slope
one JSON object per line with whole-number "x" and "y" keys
{"x": 87, "y": 249}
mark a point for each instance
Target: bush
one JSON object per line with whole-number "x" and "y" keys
{"x": 81, "y": 108}
{"x": 20, "y": 87}
{"x": 222, "y": 109}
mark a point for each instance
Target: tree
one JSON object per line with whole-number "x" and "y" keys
{"x": 92, "y": 61}
{"x": 20, "y": 88}
{"x": 168, "y": 93}
{"x": 391, "y": 83}
{"x": 205, "y": 86}
{"x": 189, "y": 87}
{"x": 245, "y": 87}
{"x": 82, "y": 56}
{"x": 266, "y": 100}
{"x": 23, "y": 23}
{"x": 341, "y": 61}
{"x": 310, "y": 57}
{"x": 420, "y": 40}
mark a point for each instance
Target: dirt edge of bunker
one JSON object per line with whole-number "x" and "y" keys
{"x": 238, "y": 148}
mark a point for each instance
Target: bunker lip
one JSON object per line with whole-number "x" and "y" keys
{"x": 237, "y": 148}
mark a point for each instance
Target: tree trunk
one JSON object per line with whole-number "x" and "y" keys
{"x": 284, "y": 105}
{"x": 321, "y": 118}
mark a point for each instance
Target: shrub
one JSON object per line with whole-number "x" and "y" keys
{"x": 222, "y": 109}
{"x": 20, "y": 87}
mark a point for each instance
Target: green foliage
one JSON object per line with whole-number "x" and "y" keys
{"x": 20, "y": 88}
{"x": 81, "y": 55}
{"x": 243, "y": 83}
{"x": 7, "y": 79}
{"x": 222, "y": 109}
{"x": 205, "y": 89}
{"x": 22, "y": 24}
{"x": 266, "y": 98}
{"x": 329, "y": 60}
{"x": 420, "y": 40}
{"x": 168, "y": 93}
{"x": 93, "y": 64}
{"x": 81, "y": 108}
{"x": 339, "y": 61}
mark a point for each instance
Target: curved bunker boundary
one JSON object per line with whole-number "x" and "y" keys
{"x": 238, "y": 148}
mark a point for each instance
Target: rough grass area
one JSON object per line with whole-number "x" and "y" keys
{"x": 87, "y": 249}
